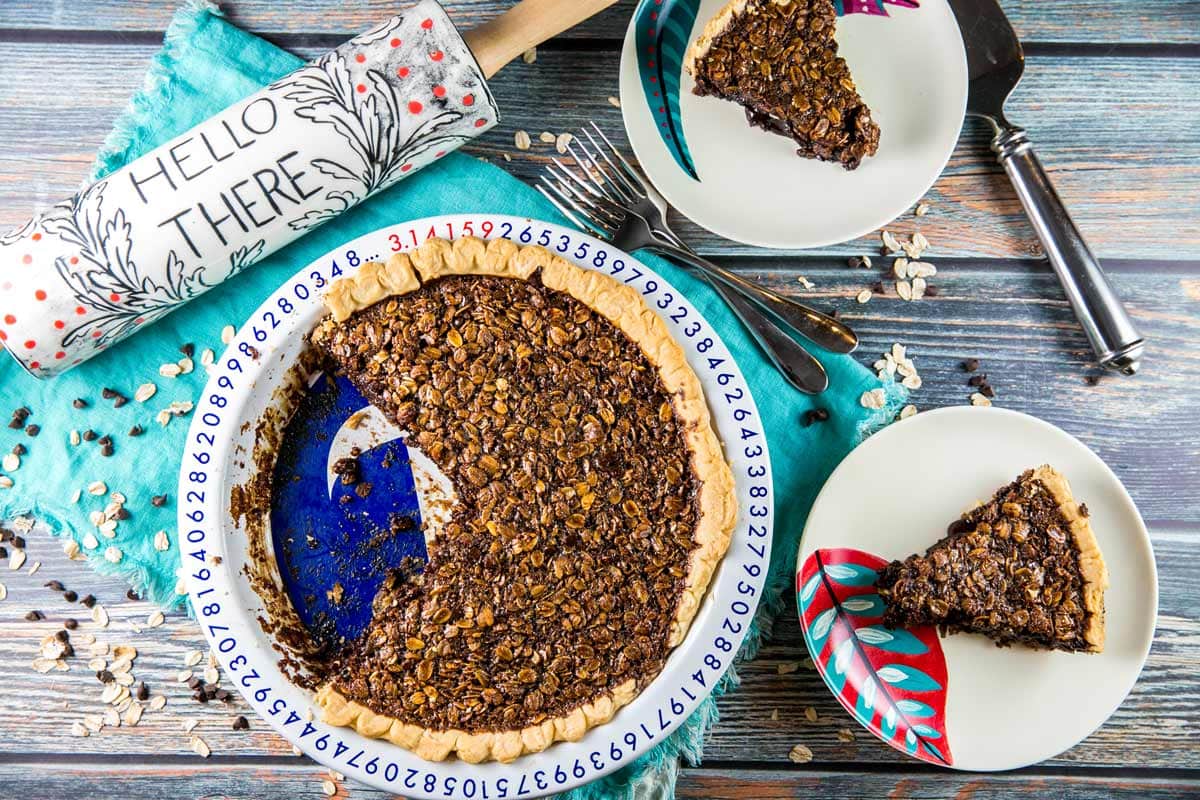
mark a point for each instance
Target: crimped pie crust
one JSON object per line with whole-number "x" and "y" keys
{"x": 1091, "y": 563}
{"x": 624, "y": 307}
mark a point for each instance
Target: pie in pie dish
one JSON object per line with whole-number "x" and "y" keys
{"x": 1023, "y": 568}
{"x": 591, "y": 504}
{"x": 778, "y": 59}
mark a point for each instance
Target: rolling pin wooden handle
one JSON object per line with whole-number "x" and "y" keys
{"x": 526, "y": 25}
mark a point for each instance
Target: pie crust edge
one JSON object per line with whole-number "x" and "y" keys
{"x": 624, "y": 307}
{"x": 1091, "y": 562}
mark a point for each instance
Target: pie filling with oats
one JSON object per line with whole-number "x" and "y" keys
{"x": 592, "y": 500}
{"x": 778, "y": 59}
{"x": 1024, "y": 568}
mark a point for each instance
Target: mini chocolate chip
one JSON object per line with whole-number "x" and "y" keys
{"x": 194, "y": 683}
{"x": 3, "y": 552}
{"x": 56, "y": 586}
{"x": 70, "y": 623}
{"x": 19, "y": 449}
{"x": 200, "y": 697}
{"x": 877, "y": 287}
{"x": 932, "y": 291}
{"x": 104, "y": 676}
{"x": 107, "y": 393}
{"x": 1091, "y": 380}
{"x": 70, "y": 596}
{"x": 34, "y": 616}
{"x": 136, "y": 430}
{"x": 89, "y": 435}
{"x": 106, "y": 451}
{"x": 854, "y": 261}
{"x": 22, "y": 412}
{"x": 130, "y": 594}
{"x": 89, "y": 600}
{"x": 977, "y": 380}
{"x": 188, "y": 349}
{"x": 987, "y": 391}
{"x": 158, "y": 500}
{"x": 33, "y": 430}
{"x": 836, "y": 314}
{"x": 120, "y": 401}
{"x": 123, "y": 513}
{"x": 815, "y": 415}
{"x": 18, "y": 542}
{"x": 970, "y": 365}
{"x": 241, "y": 724}
{"x": 68, "y": 651}
{"x": 143, "y": 691}
{"x": 79, "y": 402}
{"x": 62, "y": 636}
{"x": 5, "y": 535}
{"x": 105, "y": 439}
{"x": 223, "y": 695}
{"x": 16, "y": 423}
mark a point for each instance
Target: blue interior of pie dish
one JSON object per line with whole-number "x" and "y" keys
{"x": 330, "y": 535}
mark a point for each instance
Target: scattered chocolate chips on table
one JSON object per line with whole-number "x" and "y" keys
{"x": 79, "y": 402}
{"x": 814, "y": 415}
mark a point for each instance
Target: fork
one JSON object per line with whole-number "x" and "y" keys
{"x": 616, "y": 204}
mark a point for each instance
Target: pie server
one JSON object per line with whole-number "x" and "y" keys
{"x": 182, "y": 218}
{"x": 995, "y": 64}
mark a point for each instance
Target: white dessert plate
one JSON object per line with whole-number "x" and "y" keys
{"x": 748, "y": 185}
{"x": 215, "y": 549}
{"x": 961, "y": 701}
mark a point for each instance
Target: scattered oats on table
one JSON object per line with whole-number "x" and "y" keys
{"x": 904, "y": 289}
{"x": 787, "y": 667}
{"x": 845, "y": 735}
{"x": 530, "y": 55}
{"x": 922, "y": 209}
{"x": 614, "y": 102}
{"x": 800, "y": 754}
{"x": 200, "y": 747}
{"x": 521, "y": 140}
{"x": 171, "y": 370}
{"x": 161, "y": 543}
{"x": 145, "y": 392}
{"x": 560, "y": 143}
{"x": 227, "y": 334}
{"x": 805, "y": 282}
{"x": 908, "y": 411}
{"x": 810, "y": 714}
{"x": 328, "y": 787}
{"x": 890, "y": 243}
{"x": 546, "y": 137}
{"x": 863, "y": 296}
{"x": 978, "y": 399}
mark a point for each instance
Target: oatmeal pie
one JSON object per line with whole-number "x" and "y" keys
{"x": 778, "y": 59}
{"x": 1023, "y": 568}
{"x": 591, "y": 502}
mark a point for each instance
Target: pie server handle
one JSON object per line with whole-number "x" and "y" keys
{"x": 1117, "y": 343}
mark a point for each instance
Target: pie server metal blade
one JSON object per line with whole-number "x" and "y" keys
{"x": 995, "y": 63}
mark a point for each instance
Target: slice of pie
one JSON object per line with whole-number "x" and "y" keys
{"x": 592, "y": 500}
{"x": 1023, "y": 568}
{"x": 779, "y": 60}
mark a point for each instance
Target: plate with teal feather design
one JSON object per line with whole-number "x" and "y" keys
{"x": 960, "y": 701}
{"x": 747, "y": 184}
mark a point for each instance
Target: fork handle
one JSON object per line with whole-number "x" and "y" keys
{"x": 819, "y": 328}
{"x": 797, "y": 365}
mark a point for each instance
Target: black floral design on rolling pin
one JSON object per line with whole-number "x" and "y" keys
{"x": 104, "y": 277}
{"x": 367, "y": 115}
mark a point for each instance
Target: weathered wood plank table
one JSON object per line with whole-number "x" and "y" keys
{"x": 1112, "y": 97}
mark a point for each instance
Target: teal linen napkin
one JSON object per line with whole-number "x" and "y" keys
{"x": 205, "y": 65}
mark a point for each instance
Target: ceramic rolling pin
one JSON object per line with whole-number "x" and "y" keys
{"x": 184, "y": 217}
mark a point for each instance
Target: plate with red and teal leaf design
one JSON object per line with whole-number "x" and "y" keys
{"x": 748, "y": 184}
{"x": 960, "y": 701}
